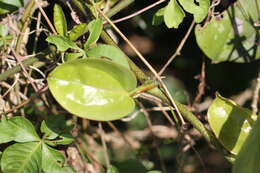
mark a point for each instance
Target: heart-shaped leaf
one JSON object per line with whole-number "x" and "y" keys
{"x": 173, "y": 14}
{"x": 111, "y": 52}
{"x": 96, "y": 89}
{"x": 53, "y": 161}
{"x": 59, "y": 19}
{"x": 22, "y": 157}
{"x": 233, "y": 37}
{"x": 247, "y": 160}
{"x": 230, "y": 123}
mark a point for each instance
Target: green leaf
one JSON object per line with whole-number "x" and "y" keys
{"x": 247, "y": 160}
{"x": 154, "y": 171}
{"x": 199, "y": 11}
{"x": 112, "y": 169}
{"x": 158, "y": 17}
{"x": 230, "y": 123}
{"x": 59, "y": 19}
{"x": 130, "y": 166}
{"x": 78, "y": 31}
{"x": 72, "y": 56}
{"x": 3, "y": 30}
{"x": 96, "y": 89}
{"x": 56, "y": 130}
{"x": 53, "y": 161}
{"x": 95, "y": 28}
{"x": 173, "y": 14}
{"x": 22, "y": 157}
{"x": 7, "y": 6}
{"x": 233, "y": 37}
{"x": 17, "y": 129}
{"x": 109, "y": 51}
{"x": 62, "y": 43}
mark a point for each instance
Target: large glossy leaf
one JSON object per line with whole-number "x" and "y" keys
{"x": 95, "y": 28}
{"x": 93, "y": 88}
{"x": 56, "y": 131}
{"x": 78, "y": 31}
{"x": 62, "y": 43}
{"x": 111, "y": 52}
{"x": 233, "y": 37}
{"x": 18, "y": 129}
{"x": 22, "y": 158}
{"x": 173, "y": 14}
{"x": 7, "y": 6}
{"x": 59, "y": 19}
{"x": 53, "y": 161}
{"x": 248, "y": 158}
{"x": 199, "y": 11}
{"x": 230, "y": 123}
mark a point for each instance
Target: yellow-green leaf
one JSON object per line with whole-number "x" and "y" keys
{"x": 173, "y": 14}
{"x": 230, "y": 123}
{"x": 59, "y": 20}
{"x": 96, "y": 89}
{"x": 199, "y": 11}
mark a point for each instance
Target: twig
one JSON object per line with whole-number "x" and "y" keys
{"x": 138, "y": 12}
{"x": 122, "y": 135}
{"x": 148, "y": 65}
{"x": 25, "y": 22}
{"x": 202, "y": 84}
{"x": 36, "y": 59}
{"x": 118, "y": 7}
{"x": 178, "y": 50}
{"x": 46, "y": 17}
{"x": 104, "y": 144}
{"x": 255, "y": 102}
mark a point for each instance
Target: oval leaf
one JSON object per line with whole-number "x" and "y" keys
{"x": 53, "y": 161}
{"x": 59, "y": 19}
{"x": 78, "y": 31}
{"x": 111, "y": 52}
{"x": 93, "y": 88}
{"x": 95, "y": 28}
{"x": 22, "y": 157}
{"x": 173, "y": 14}
{"x": 199, "y": 11}
{"x": 247, "y": 160}
{"x": 233, "y": 37}
{"x": 230, "y": 122}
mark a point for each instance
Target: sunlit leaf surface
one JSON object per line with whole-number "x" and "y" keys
{"x": 93, "y": 88}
